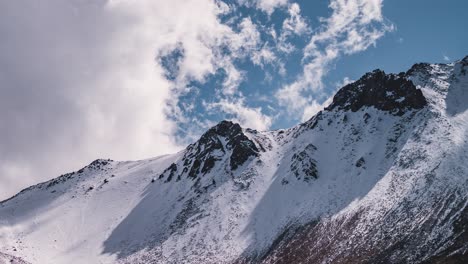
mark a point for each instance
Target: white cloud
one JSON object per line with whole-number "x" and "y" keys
{"x": 93, "y": 85}
{"x": 81, "y": 80}
{"x": 295, "y": 23}
{"x": 264, "y": 56}
{"x": 344, "y": 82}
{"x": 353, "y": 26}
{"x": 314, "y": 107}
{"x": 292, "y": 97}
{"x": 446, "y": 58}
{"x": 246, "y": 116}
{"x": 246, "y": 41}
{"x": 233, "y": 79}
{"x": 269, "y": 6}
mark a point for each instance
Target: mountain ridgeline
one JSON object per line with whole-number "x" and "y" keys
{"x": 387, "y": 92}
{"x": 379, "y": 176}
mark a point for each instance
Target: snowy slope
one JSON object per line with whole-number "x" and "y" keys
{"x": 417, "y": 212}
{"x": 380, "y": 175}
{"x": 65, "y": 221}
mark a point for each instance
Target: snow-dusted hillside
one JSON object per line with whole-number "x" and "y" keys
{"x": 379, "y": 176}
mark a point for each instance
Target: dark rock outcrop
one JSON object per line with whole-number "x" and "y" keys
{"x": 303, "y": 165}
{"x": 419, "y": 68}
{"x": 169, "y": 172}
{"x": 242, "y": 147}
{"x": 224, "y": 138}
{"x": 387, "y": 92}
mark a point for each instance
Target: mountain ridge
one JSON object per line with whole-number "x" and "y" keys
{"x": 225, "y": 124}
{"x": 370, "y": 179}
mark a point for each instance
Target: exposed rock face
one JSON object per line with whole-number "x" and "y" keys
{"x": 388, "y": 92}
{"x": 200, "y": 157}
{"x": 419, "y": 68}
{"x": 303, "y": 165}
{"x": 8, "y": 259}
{"x": 241, "y": 146}
{"x": 352, "y": 240}
{"x": 169, "y": 172}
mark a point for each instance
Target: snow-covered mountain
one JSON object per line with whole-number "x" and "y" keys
{"x": 379, "y": 176}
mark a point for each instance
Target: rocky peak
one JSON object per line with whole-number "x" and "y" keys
{"x": 235, "y": 139}
{"x": 465, "y": 60}
{"x": 200, "y": 157}
{"x": 422, "y": 68}
{"x": 225, "y": 129}
{"x": 387, "y": 92}
{"x": 463, "y": 65}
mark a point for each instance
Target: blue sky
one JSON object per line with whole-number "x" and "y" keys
{"x": 423, "y": 31}
{"x": 81, "y": 80}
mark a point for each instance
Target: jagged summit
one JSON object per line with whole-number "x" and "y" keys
{"x": 422, "y": 67}
{"x": 387, "y": 92}
{"x": 224, "y": 128}
{"x": 226, "y": 139}
{"x": 464, "y": 62}
{"x": 234, "y": 139}
{"x": 230, "y": 131}
{"x": 465, "y": 59}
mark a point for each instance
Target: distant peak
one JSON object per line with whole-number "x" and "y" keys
{"x": 387, "y": 92}
{"x": 464, "y": 62}
{"x": 224, "y": 140}
{"x": 242, "y": 147}
{"x": 224, "y": 128}
{"x": 421, "y": 67}
{"x": 376, "y": 72}
{"x": 465, "y": 59}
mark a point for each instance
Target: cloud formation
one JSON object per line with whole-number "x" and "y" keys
{"x": 82, "y": 80}
{"x": 353, "y": 26}
{"x": 267, "y": 6}
{"x": 78, "y": 82}
{"x": 250, "y": 117}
